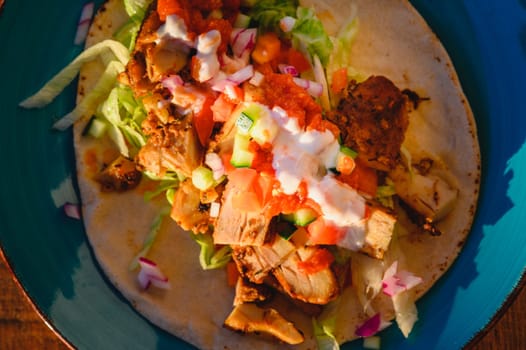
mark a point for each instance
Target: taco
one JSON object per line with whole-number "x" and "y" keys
{"x": 310, "y": 169}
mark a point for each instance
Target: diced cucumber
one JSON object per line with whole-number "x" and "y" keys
{"x": 242, "y": 21}
{"x": 285, "y": 229}
{"x": 203, "y": 178}
{"x": 244, "y": 122}
{"x": 96, "y": 128}
{"x": 249, "y": 115}
{"x": 301, "y": 217}
{"x": 348, "y": 152}
{"x": 242, "y": 157}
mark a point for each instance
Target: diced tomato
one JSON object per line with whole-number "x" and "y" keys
{"x": 265, "y": 186}
{"x": 298, "y": 60}
{"x": 339, "y": 80}
{"x": 345, "y": 164}
{"x": 204, "y": 120}
{"x": 318, "y": 261}
{"x": 263, "y": 157}
{"x": 322, "y": 232}
{"x": 246, "y": 201}
{"x": 229, "y": 168}
{"x": 243, "y": 179}
{"x": 267, "y": 48}
{"x": 225, "y": 28}
{"x": 232, "y": 273}
{"x": 222, "y": 108}
{"x": 362, "y": 178}
{"x": 166, "y": 8}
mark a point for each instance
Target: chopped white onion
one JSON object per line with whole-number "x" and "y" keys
{"x": 214, "y": 162}
{"x": 214, "y": 209}
{"x": 313, "y": 88}
{"x": 257, "y": 79}
{"x": 237, "y": 78}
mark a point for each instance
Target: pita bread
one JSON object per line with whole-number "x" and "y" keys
{"x": 393, "y": 41}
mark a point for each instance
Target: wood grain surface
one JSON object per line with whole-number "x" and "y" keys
{"x": 21, "y": 327}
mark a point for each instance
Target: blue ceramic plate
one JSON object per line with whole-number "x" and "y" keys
{"x": 51, "y": 257}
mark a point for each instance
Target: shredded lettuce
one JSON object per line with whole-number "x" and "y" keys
{"x": 385, "y": 193}
{"x": 125, "y": 115}
{"x": 209, "y": 257}
{"x": 308, "y": 31}
{"x": 136, "y": 9}
{"x": 341, "y": 55}
{"x": 94, "y": 98}
{"x": 323, "y": 332}
{"x": 62, "y": 79}
{"x": 150, "y": 238}
{"x": 127, "y": 33}
{"x": 268, "y": 13}
{"x": 163, "y": 186}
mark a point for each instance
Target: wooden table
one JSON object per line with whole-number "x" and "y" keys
{"x": 22, "y": 328}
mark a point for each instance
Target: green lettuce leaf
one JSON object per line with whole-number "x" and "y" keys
{"x": 63, "y": 78}
{"x": 268, "y": 13}
{"x": 94, "y": 98}
{"x": 150, "y": 237}
{"x": 308, "y": 31}
{"x": 125, "y": 115}
{"x": 323, "y": 332}
{"x": 209, "y": 257}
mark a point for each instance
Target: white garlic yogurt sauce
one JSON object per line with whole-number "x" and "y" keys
{"x": 305, "y": 155}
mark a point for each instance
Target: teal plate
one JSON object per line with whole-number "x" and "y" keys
{"x": 53, "y": 261}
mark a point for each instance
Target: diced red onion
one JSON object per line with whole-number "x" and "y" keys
{"x": 84, "y": 22}
{"x": 369, "y": 327}
{"x": 287, "y": 23}
{"x": 288, "y": 69}
{"x": 242, "y": 75}
{"x": 243, "y": 39}
{"x": 151, "y": 274}
{"x": 236, "y": 78}
{"x": 171, "y": 82}
{"x": 395, "y": 282}
{"x": 257, "y": 79}
{"x": 313, "y": 88}
{"x": 72, "y": 210}
{"x": 214, "y": 209}
{"x": 214, "y": 162}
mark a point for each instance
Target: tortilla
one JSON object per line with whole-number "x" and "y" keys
{"x": 393, "y": 41}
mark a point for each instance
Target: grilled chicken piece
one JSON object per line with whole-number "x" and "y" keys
{"x": 429, "y": 194}
{"x": 171, "y": 146}
{"x": 239, "y": 228}
{"x": 379, "y": 230}
{"x": 373, "y": 117}
{"x": 316, "y": 288}
{"x": 249, "y": 318}
{"x": 119, "y": 176}
{"x": 164, "y": 59}
{"x": 255, "y": 263}
{"x": 248, "y": 292}
{"x": 136, "y": 68}
{"x": 187, "y": 210}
